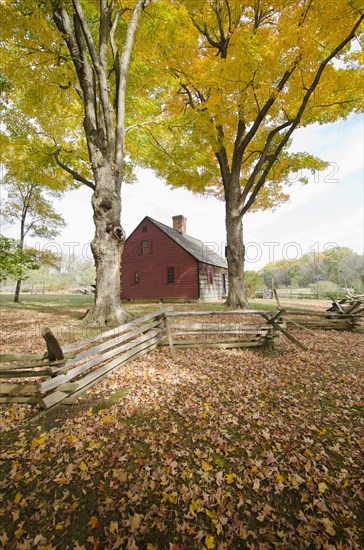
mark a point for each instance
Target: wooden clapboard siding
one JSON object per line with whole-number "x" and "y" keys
{"x": 152, "y": 267}
{"x": 211, "y": 282}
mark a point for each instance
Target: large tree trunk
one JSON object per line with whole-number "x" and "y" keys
{"x": 104, "y": 125}
{"x": 21, "y": 248}
{"x": 233, "y": 216}
{"x": 17, "y": 291}
{"x": 235, "y": 258}
{"x": 107, "y": 247}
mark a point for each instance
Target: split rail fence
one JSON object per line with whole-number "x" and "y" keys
{"x": 262, "y": 329}
{"x": 65, "y": 373}
{"x": 340, "y": 316}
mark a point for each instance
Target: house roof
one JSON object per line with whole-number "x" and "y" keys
{"x": 199, "y": 250}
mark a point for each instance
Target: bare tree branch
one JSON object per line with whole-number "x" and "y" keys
{"x": 75, "y": 45}
{"x": 99, "y": 66}
{"x": 262, "y": 159}
{"x": 124, "y": 66}
{"x": 238, "y": 147}
{"x": 203, "y": 30}
{"x": 268, "y": 104}
{"x": 223, "y": 160}
{"x": 139, "y": 124}
{"x": 73, "y": 173}
{"x": 115, "y": 53}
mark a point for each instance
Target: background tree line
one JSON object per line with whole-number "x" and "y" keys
{"x": 325, "y": 273}
{"x": 43, "y": 270}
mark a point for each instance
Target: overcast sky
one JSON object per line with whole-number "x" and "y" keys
{"x": 327, "y": 211}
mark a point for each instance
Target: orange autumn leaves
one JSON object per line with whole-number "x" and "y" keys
{"x": 219, "y": 449}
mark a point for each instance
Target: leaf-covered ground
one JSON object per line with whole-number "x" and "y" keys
{"x": 220, "y": 449}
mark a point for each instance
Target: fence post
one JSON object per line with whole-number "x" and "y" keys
{"x": 269, "y": 339}
{"x": 277, "y": 298}
{"x": 54, "y": 350}
{"x": 169, "y": 336}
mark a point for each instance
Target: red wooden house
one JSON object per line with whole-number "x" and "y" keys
{"x": 161, "y": 262}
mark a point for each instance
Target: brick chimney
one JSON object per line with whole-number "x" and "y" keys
{"x": 179, "y": 224}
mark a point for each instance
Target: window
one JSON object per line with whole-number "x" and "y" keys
{"x": 170, "y": 275}
{"x": 210, "y": 275}
{"x": 145, "y": 228}
{"x": 136, "y": 277}
{"x": 145, "y": 247}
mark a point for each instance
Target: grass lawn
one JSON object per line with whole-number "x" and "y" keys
{"x": 220, "y": 449}
{"x": 44, "y": 301}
